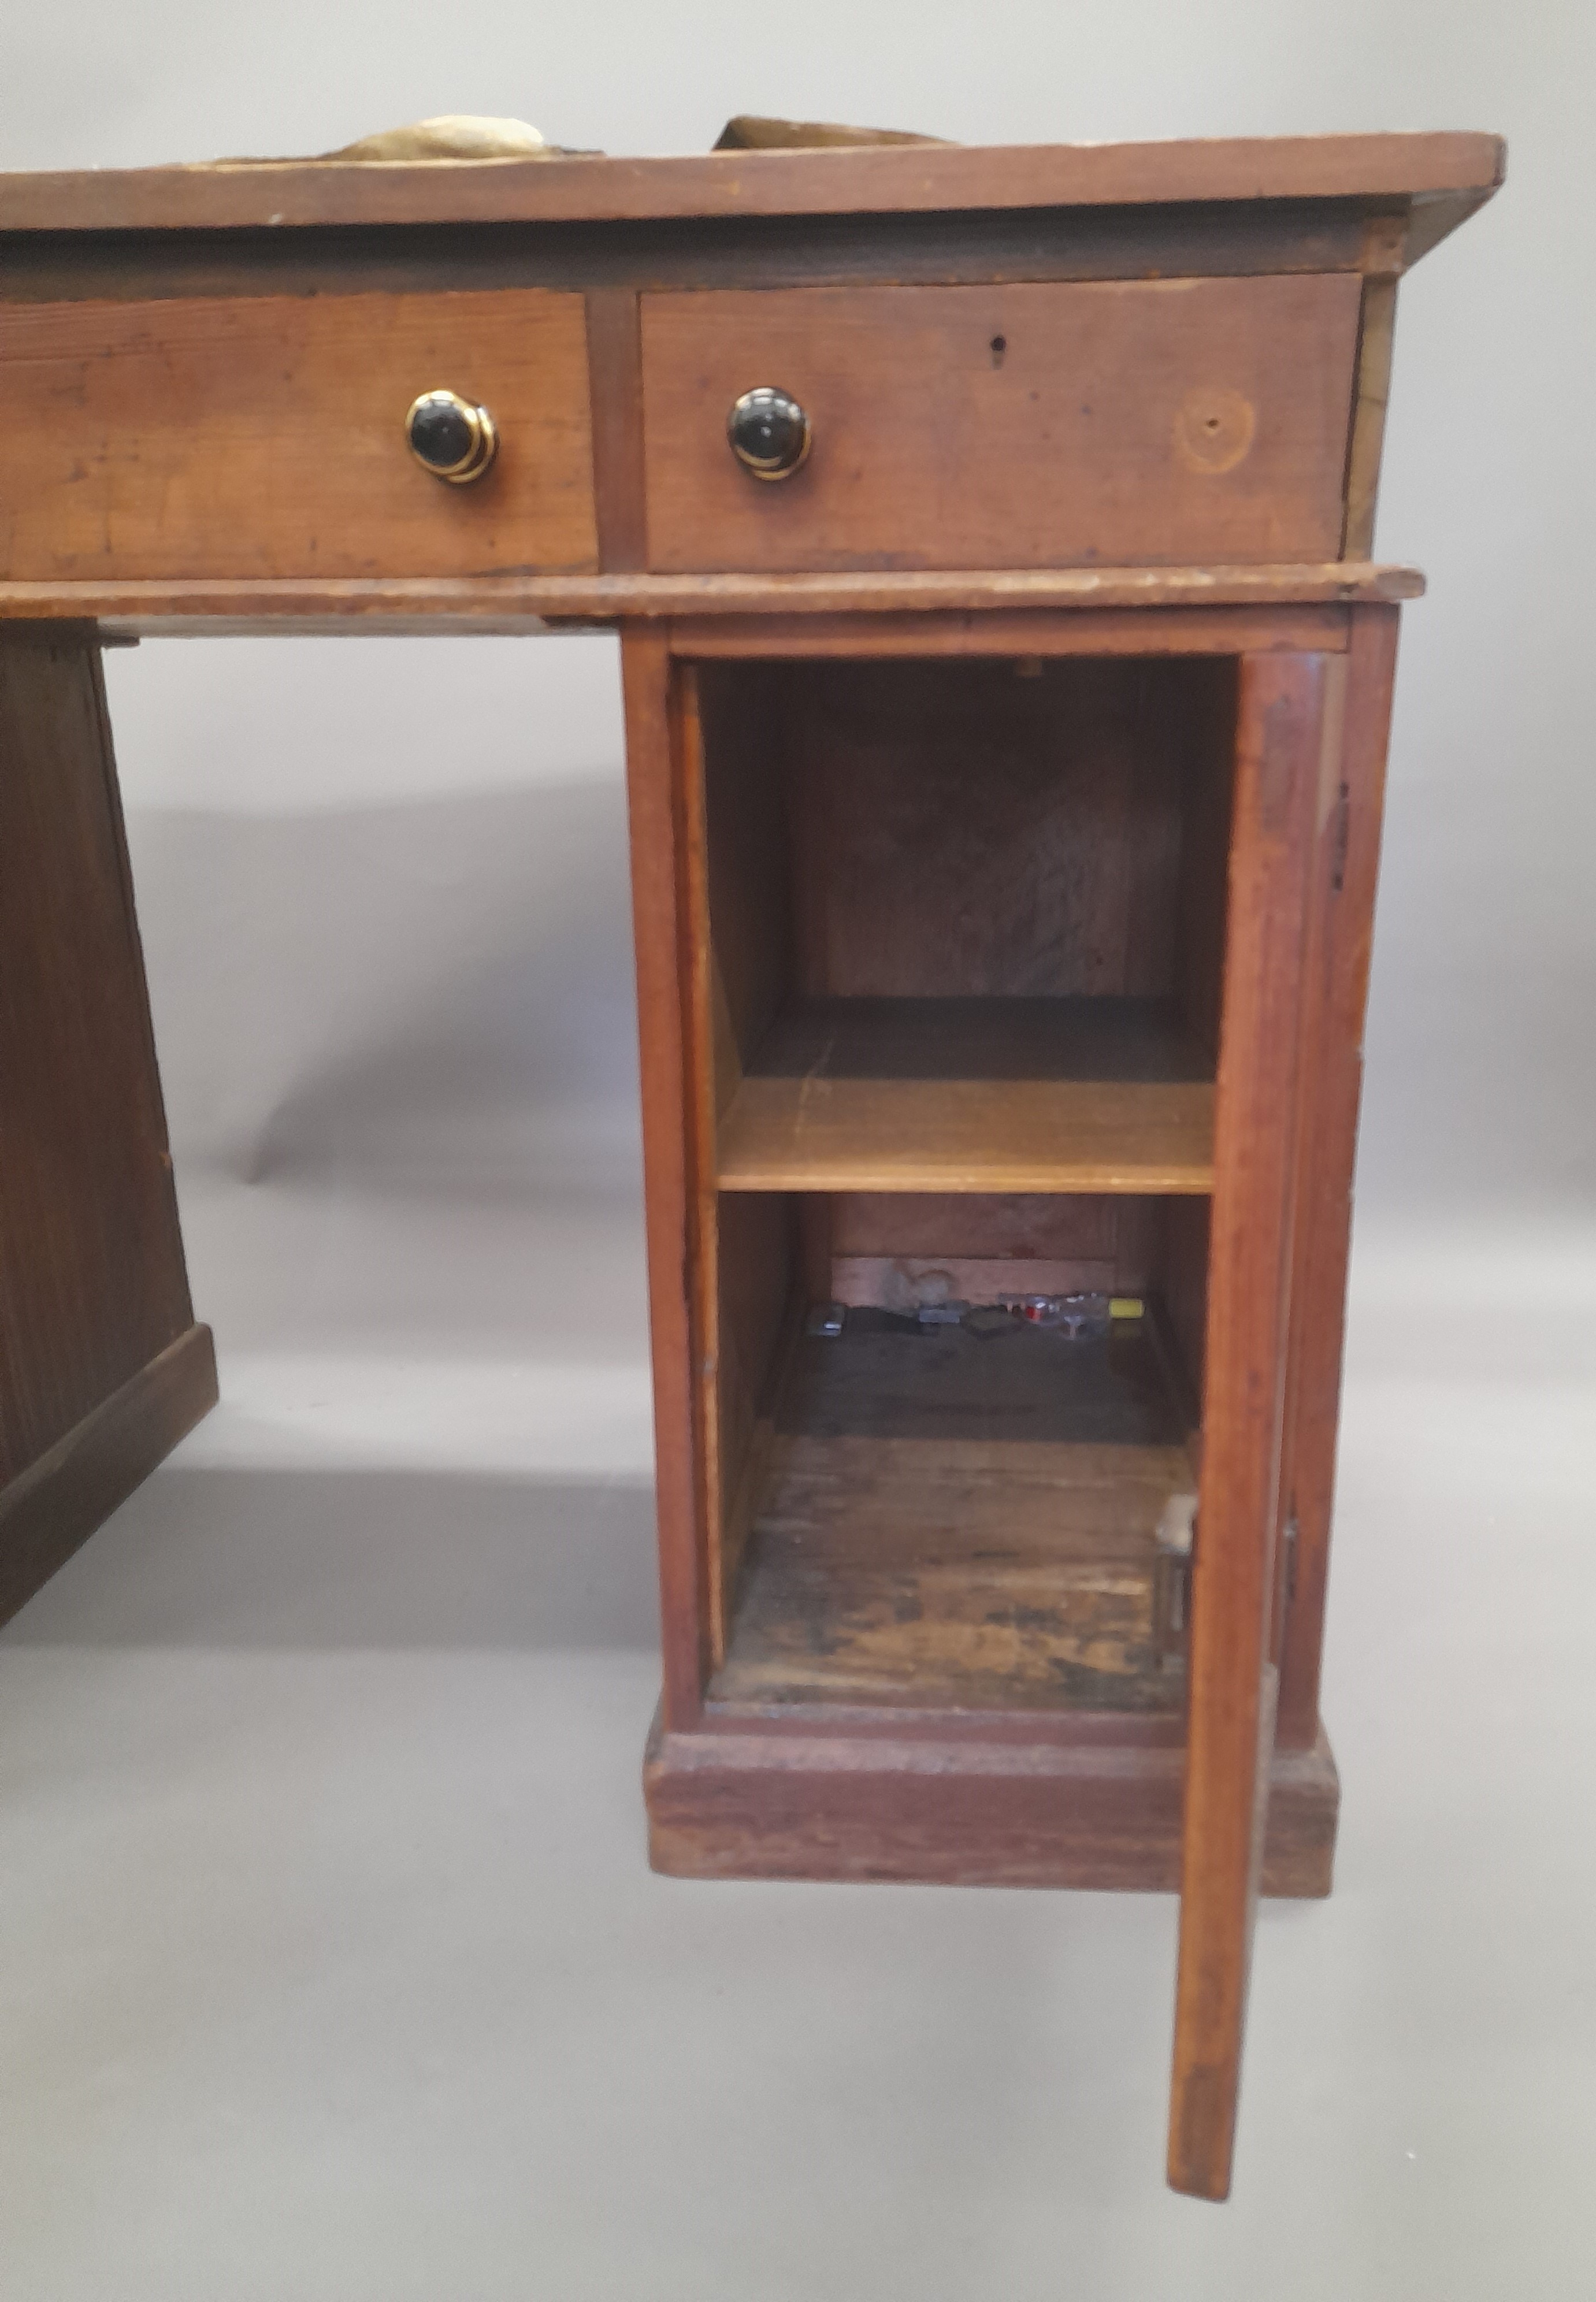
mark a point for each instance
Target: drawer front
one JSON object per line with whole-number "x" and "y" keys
{"x": 1167, "y": 422}
{"x": 265, "y": 437}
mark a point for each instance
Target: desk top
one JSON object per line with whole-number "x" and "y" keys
{"x": 1444, "y": 176}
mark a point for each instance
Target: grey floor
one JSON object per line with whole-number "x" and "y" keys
{"x": 331, "y": 1966}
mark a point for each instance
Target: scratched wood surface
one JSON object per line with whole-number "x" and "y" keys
{"x": 1028, "y": 425}
{"x": 93, "y": 1289}
{"x": 264, "y": 438}
{"x": 1454, "y": 170}
{"x": 1288, "y": 751}
{"x": 992, "y": 1096}
{"x": 951, "y": 1521}
{"x": 671, "y": 1198}
{"x": 1046, "y": 1797}
{"x": 1012, "y": 828}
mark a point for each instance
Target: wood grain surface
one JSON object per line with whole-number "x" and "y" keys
{"x": 1046, "y": 1799}
{"x": 1047, "y": 1243}
{"x": 658, "y": 912}
{"x": 952, "y": 1521}
{"x": 92, "y": 1282}
{"x": 980, "y": 1095}
{"x": 1327, "y": 1148}
{"x": 264, "y": 438}
{"x": 276, "y": 195}
{"x": 1028, "y": 425}
{"x": 948, "y": 605}
{"x": 1002, "y": 828}
{"x": 54, "y": 1507}
{"x": 1375, "y": 342}
{"x": 615, "y": 376}
{"x": 1283, "y": 751}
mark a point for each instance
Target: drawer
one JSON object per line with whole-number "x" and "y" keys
{"x": 264, "y": 436}
{"x": 1172, "y": 421}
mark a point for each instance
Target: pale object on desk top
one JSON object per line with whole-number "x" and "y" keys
{"x": 465, "y": 136}
{"x": 450, "y": 136}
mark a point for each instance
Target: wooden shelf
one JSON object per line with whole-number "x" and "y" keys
{"x": 972, "y": 1095}
{"x": 952, "y": 1524}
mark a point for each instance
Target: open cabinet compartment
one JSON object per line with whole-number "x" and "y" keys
{"x": 959, "y": 941}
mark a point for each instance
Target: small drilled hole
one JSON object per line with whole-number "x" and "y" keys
{"x": 1000, "y": 344}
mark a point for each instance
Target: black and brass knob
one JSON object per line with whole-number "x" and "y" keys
{"x": 770, "y": 433}
{"x": 452, "y": 437}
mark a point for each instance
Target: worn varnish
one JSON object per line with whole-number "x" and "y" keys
{"x": 1439, "y": 179}
{"x": 949, "y": 1522}
{"x": 1044, "y": 1797}
{"x": 991, "y": 1096}
{"x": 258, "y": 439}
{"x": 1021, "y": 426}
{"x": 1287, "y": 753}
{"x": 671, "y": 1200}
{"x": 1337, "y": 992}
{"x": 92, "y": 1290}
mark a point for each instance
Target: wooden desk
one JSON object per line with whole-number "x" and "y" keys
{"x": 1006, "y": 787}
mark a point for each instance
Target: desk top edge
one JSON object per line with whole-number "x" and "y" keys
{"x": 508, "y": 603}
{"x": 1432, "y": 166}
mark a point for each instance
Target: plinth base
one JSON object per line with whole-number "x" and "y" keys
{"x": 56, "y": 1503}
{"x": 997, "y": 1802}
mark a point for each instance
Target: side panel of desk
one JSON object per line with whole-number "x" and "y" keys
{"x": 102, "y": 1368}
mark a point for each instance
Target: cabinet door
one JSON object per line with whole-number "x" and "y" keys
{"x": 1286, "y": 768}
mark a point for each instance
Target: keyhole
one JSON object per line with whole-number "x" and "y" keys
{"x": 1000, "y": 344}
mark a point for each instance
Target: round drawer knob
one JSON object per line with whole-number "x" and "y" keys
{"x": 770, "y": 433}
{"x": 452, "y": 437}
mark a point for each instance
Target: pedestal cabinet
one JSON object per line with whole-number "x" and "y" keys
{"x": 1007, "y": 677}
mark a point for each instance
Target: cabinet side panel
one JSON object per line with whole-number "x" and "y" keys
{"x": 1329, "y": 1145}
{"x": 762, "y": 1303}
{"x": 92, "y": 1284}
{"x": 92, "y": 1290}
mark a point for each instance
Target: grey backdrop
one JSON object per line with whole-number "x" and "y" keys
{"x": 332, "y": 1968}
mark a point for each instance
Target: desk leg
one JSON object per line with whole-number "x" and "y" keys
{"x": 102, "y": 1368}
